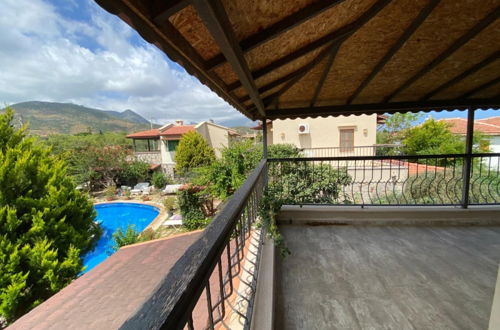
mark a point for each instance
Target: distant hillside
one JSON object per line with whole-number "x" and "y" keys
{"x": 47, "y": 118}
{"x": 129, "y": 115}
{"x": 244, "y": 130}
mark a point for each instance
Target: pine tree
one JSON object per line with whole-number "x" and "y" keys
{"x": 193, "y": 151}
{"x": 45, "y": 223}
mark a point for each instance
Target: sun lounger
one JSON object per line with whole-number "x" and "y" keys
{"x": 171, "y": 188}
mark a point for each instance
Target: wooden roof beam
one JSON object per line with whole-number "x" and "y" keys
{"x": 299, "y": 72}
{"x": 490, "y": 59}
{"x": 475, "y": 30}
{"x": 336, "y": 35}
{"x": 177, "y": 49}
{"x": 161, "y": 10}
{"x": 324, "y": 74}
{"x": 215, "y": 18}
{"x": 329, "y": 50}
{"x": 480, "y": 88}
{"x": 394, "y": 49}
{"x": 380, "y": 108}
{"x": 278, "y": 28}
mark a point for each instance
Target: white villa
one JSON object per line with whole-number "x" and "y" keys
{"x": 157, "y": 146}
{"x": 327, "y": 137}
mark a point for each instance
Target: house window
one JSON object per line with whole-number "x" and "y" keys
{"x": 346, "y": 139}
{"x": 172, "y": 145}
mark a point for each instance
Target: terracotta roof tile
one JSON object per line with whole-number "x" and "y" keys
{"x": 111, "y": 292}
{"x": 459, "y": 126}
{"x": 152, "y": 133}
{"x": 492, "y": 121}
{"x": 177, "y": 130}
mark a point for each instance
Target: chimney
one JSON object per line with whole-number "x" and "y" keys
{"x": 179, "y": 122}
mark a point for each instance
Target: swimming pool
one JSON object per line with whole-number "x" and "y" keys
{"x": 112, "y": 216}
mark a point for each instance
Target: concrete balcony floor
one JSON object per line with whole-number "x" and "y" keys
{"x": 387, "y": 277}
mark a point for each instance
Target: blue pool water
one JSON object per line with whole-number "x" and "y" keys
{"x": 112, "y": 216}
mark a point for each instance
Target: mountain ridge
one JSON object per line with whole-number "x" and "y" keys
{"x": 47, "y": 118}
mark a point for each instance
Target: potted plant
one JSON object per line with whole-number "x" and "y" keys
{"x": 127, "y": 194}
{"x": 110, "y": 193}
{"x": 170, "y": 205}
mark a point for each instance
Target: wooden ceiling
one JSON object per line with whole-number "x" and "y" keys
{"x": 298, "y": 58}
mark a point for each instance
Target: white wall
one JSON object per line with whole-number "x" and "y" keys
{"x": 324, "y": 132}
{"x": 216, "y": 136}
{"x": 167, "y": 157}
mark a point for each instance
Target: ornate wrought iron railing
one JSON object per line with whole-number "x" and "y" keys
{"x": 214, "y": 282}
{"x": 373, "y": 150}
{"x": 386, "y": 180}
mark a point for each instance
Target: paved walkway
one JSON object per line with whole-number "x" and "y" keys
{"x": 376, "y": 277}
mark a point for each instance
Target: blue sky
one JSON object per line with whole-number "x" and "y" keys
{"x": 74, "y": 51}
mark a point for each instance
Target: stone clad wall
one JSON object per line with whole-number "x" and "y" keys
{"x": 152, "y": 157}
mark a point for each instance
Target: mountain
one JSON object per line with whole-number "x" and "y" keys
{"x": 129, "y": 115}
{"x": 243, "y": 130}
{"x": 47, "y": 118}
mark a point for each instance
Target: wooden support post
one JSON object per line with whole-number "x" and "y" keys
{"x": 468, "y": 158}
{"x": 149, "y": 146}
{"x": 135, "y": 146}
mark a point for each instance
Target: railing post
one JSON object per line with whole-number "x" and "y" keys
{"x": 467, "y": 166}
{"x": 264, "y": 149}
{"x": 264, "y": 138}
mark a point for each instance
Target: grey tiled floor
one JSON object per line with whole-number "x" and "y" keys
{"x": 376, "y": 277}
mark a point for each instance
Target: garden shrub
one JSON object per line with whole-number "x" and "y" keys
{"x": 193, "y": 151}
{"x": 224, "y": 176}
{"x": 160, "y": 180}
{"x": 132, "y": 172}
{"x": 46, "y": 225}
{"x": 304, "y": 183}
{"x": 125, "y": 237}
{"x": 170, "y": 203}
{"x": 192, "y": 202}
{"x": 132, "y": 236}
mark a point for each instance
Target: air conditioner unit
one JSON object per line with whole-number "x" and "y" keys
{"x": 304, "y": 128}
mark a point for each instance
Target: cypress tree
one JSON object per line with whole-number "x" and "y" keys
{"x": 45, "y": 223}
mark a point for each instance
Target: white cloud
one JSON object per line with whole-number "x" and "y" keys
{"x": 97, "y": 62}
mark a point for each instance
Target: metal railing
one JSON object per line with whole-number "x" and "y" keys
{"x": 385, "y": 180}
{"x": 214, "y": 282}
{"x": 356, "y": 151}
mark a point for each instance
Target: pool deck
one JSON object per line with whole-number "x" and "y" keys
{"x": 387, "y": 277}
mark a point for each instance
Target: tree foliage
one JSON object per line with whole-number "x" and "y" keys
{"x": 225, "y": 175}
{"x": 128, "y": 236}
{"x": 308, "y": 183}
{"x": 432, "y": 138}
{"x": 99, "y": 159}
{"x": 45, "y": 223}
{"x": 132, "y": 172}
{"x": 195, "y": 205}
{"x": 160, "y": 180}
{"x": 192, "y": 152}
{"x": 396, "y": 126}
